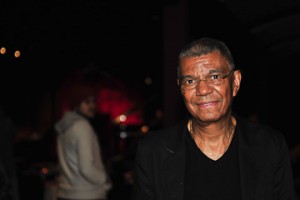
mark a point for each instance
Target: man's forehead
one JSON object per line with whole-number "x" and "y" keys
{"x": 203, "y": 62}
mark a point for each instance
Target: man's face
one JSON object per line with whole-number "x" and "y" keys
{"x": 88, "y": 107}
{"x": 208, "y": 101}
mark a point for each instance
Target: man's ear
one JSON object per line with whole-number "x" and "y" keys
{"x": 237, "y": 78}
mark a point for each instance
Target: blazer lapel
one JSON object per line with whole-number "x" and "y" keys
{"x": 174, "y": 166}
{"x": 249, "y": 166}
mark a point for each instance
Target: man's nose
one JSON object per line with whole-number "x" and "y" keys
{"x": 203, "y": 88}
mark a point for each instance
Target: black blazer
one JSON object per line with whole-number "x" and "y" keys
{"x": 265, "y": 165}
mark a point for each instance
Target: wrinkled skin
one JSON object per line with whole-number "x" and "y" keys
{"x": 209, "y": 104}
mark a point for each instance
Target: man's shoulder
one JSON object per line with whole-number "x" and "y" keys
{"x": 168, "y": 134}
{"x": 257, "y": 130}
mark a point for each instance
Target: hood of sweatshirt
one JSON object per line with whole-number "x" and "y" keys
{"x": 67, "y": 121}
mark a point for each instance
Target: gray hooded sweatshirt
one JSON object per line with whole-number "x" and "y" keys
{"x": 82, "y": 172}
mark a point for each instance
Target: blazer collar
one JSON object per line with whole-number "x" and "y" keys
{"x": 248, "y": 161}
{"x": 174, "y": 164}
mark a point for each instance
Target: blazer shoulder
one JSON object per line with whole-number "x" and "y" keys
{"x": 258, "y": 131}
{"x": 167, "y": 135}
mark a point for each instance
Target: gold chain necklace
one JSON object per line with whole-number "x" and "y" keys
{"x": 213, "y": 156}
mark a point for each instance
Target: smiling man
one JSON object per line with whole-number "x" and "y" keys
{"x": 213, "y": 154}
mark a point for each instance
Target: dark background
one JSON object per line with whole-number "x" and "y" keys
{"x": 135, "y": 40}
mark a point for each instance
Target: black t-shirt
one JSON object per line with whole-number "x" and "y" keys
{"x": 206, "y": 179}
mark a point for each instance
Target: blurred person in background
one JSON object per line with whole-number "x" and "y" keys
{"x": 213, "y": 153}
{"x": 82, "y": 173}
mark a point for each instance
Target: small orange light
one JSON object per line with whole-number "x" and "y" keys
{"x": 17, "y": 54}
{"x": 3, "y": 50}
{"x": 44, "y": 170}
{"x": 144, "y": 129}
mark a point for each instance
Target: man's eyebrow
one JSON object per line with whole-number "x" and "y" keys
{"x": 185, "y": 76}
{"x": 215, "y": 71}
{"x": 210, "y": 72}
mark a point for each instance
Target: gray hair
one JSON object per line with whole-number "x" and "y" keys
{"x": 205, "y": 46}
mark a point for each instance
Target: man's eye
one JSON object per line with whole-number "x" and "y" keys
{"x": 215, "y": 76}
{"x": 189, "y": 81}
